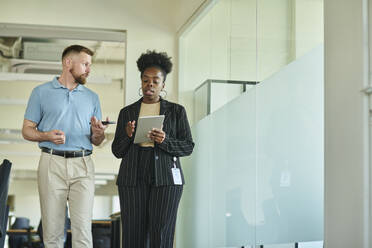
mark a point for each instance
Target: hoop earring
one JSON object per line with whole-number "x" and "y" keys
{"x": 140, "y": 91}
{"x": 164, "y": 92}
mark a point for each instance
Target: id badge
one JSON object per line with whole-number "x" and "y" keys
{"x": 177, "y": 176}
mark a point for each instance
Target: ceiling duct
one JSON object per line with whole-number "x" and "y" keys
{"x": 31, "y": 59}
{"x": 35, "y": 66}
{"x": 44, "y": 51}
{"x": 10, "y": 47}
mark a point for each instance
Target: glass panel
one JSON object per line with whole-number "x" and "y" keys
{"x": 290, "y": 121}
{"x": 290, "y": 153}
{"x": 218, "y": 203}
{"x": 256, "y": 174}
{"x": 217, "y": 208}
{"x": 233, "y": 172}
{"x": 194, "y": 210}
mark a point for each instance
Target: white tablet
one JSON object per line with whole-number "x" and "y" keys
{"x": 144, "y": 125}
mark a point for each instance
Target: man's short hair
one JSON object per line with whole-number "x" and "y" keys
{"x": 76, "y": 49}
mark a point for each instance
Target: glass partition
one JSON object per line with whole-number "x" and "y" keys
{"x": 289, "y": 194}
{"x": 256, "y": 175}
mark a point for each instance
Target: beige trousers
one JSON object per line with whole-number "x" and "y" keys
{"x": 62, "y": 180}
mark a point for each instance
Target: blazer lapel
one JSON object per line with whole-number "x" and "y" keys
{"x": 136, "y": 110}
{"x": 164, "y": 108}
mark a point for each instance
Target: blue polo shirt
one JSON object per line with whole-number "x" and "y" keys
{"x": 53, "y": 106}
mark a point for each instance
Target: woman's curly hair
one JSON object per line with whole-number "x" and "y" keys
{"x": 155, "y": 59}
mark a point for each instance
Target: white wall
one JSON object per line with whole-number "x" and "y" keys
{"x": 346, "y": 125}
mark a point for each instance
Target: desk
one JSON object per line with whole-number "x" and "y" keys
{"x": 20, "y": 231}
{"x": 20, "y": 237}
{"x": 101, "y": 222}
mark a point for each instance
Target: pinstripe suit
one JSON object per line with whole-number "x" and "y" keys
{"x": 149, "y": 207}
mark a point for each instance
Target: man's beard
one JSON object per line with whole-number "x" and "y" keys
{"x": 80, "y": 79}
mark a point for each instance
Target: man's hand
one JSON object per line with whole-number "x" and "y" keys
{"x": 30, "y": 132}
{"x": 56, "y": 136}
{"x": 98, "y": 130}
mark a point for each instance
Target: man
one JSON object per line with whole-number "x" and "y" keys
{"x": 64, "y": 117}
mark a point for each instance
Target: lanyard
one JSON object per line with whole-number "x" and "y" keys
{"x": 174, "y": 162}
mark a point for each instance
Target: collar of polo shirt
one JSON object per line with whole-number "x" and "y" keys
{"x": 57, "y": 85}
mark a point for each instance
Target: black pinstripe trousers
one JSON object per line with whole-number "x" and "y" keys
{"x": 148, "y": 212}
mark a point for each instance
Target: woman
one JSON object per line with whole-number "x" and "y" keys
{"x": 150, "y": 179}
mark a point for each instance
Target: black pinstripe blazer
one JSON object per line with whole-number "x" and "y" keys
{"x": 177, "y": 143}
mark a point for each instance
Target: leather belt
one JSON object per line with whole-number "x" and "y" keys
{"x": 67, "y": 154}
